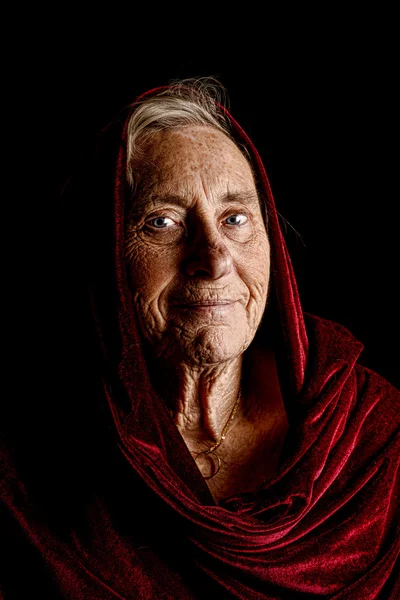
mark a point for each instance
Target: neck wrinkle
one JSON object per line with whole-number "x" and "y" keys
{"x": 201, "y": 401}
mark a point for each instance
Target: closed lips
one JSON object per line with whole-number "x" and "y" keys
{"x": 206, "y": 303}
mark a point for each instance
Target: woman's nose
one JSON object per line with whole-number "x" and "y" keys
{"x": 208, "y": 255}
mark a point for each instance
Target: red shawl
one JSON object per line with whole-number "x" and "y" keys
{"x": 101, "y": 499}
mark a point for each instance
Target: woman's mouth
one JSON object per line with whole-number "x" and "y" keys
{"x": 206, "y": 305}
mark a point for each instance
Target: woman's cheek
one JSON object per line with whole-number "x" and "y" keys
{"x": 139, "y": 266}
{"x": 151, "y": 270}
{"x": 140, "y": 258}
{"x": 255, "y": 262}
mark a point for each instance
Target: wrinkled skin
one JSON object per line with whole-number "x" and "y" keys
{"x": 195, "y": 235}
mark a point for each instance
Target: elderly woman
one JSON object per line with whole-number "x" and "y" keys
{"x": 235, "y": 447}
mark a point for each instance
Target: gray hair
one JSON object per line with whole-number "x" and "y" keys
{"x": 195, "y": 101}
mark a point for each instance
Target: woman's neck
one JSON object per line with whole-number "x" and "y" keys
{"x": 200, "y": 399}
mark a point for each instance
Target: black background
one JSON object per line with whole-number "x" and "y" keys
{"x": 317, "y": 95}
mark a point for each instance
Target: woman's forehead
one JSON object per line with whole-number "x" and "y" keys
{"x": 178, "y": 155}
{"x": 192, "y": 140}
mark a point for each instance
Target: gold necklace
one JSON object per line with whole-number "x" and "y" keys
{"x": 211, "y": 451}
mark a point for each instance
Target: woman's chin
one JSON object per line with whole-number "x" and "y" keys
{"x": 210, "y": 346}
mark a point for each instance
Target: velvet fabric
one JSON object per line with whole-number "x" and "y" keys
{"x": 101, "y": 499}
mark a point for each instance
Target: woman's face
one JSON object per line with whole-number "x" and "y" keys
{"x": 197, "y": 249}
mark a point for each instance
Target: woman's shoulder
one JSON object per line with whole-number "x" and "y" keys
{"x": 371, "y": 402}
{"x": 336, "y": 344}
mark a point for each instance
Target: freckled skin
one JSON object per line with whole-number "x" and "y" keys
{"x": 208, "y": 260}
{"x": 187, "y": 244}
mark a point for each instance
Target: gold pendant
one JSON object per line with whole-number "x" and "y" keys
{"x": 215, "y": 465}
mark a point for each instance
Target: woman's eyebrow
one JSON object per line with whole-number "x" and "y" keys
{"x": 247, "y": 196}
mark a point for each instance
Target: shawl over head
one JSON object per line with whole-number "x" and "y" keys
{"x": 102, "y": 499}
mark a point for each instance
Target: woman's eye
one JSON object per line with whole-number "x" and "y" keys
{"x": 161, "y": 222}
{"x": 236, "y": 220}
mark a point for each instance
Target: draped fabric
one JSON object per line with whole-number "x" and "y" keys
{"x": 101, "y": 499}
